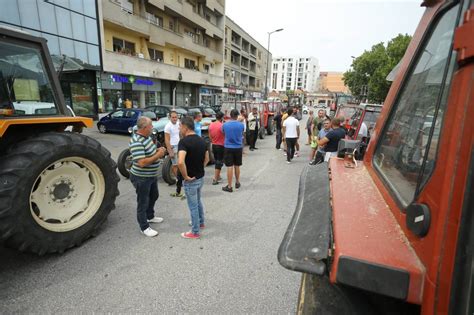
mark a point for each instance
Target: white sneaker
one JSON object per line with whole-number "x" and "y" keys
{"x": 288, "y": 162}
{"x": 156, "y": 220}
{"x": 150, "y": 232}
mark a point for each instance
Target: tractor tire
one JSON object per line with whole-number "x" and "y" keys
{"x": 319, "y": 296}
{"x": 270, "y": 126}
{"x": 209, "y": 149}
{"x": 124, "y": 163}
{"x": 261, "y": 133}
{"x": 102, "y": 128}
{"x": 57, "y": 189}
{"x": 167, "y": 173}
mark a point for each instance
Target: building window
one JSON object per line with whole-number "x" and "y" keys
{"x": 155, "y": 54}
{"x": 275, "y": 66}
{"x": 206, "y": 68}
{"x": 189, "y": 64}
{"x": 123, "y": 46}
{"x": 171, "y": 25}
{"x": 154, "y": 19}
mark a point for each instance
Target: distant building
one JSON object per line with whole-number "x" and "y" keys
{"x": 292, "y": 73}
{"x": 245, "y": 61}
{"x": 330, "y": 81}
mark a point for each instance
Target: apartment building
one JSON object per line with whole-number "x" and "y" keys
{"x": 162, "y": 52}
{"x": 71, "y": 29}
{"x": 331, "y": 81}
{"x": 245, "y": 61}
{"x": 294, "y": 73}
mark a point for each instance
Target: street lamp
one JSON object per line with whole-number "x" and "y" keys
{"x": 268, "y": 57}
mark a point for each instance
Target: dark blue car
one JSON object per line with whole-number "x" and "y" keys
{"x": 122, "y": 119}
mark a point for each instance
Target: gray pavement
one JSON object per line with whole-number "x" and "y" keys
{"x": 233, "y": 268}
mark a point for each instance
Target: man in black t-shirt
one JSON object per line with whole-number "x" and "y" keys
{"x": 331, "y": 141}
{"x": 192, "y": 158}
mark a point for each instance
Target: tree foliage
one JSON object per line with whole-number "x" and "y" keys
{"x": 367, "y": 78}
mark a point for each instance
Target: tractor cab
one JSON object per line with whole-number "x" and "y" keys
{"x": 393, "y": 234}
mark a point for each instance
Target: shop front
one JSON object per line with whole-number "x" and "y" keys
{"x": 116, "y": 89}
{"x": 232, "y": 95}
{"x": 209, "y": 97}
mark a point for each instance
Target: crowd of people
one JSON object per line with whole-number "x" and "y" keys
{"x": 323, "y": 134}
{"x": 189, "y": 155}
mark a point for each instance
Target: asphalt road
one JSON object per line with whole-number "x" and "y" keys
{"x": 233, "y": 268}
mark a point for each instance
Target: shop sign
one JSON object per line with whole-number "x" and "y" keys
{"x": 257, "y": 94}
{"x": 131, "y": 79}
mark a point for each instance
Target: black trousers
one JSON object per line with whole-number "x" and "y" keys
{"x": 290, "y": 148}
{"x": 253, "y": 138}
{"x": 278, "y": 138}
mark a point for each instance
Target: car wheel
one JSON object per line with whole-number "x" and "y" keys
{"x": 102, "y": 128}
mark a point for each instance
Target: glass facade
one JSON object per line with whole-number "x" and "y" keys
{"x": 70, "y": 26}
{"x": 71, "y": 29}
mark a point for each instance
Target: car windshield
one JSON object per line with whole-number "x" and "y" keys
{"x": 181, "y": 111}
{"x": 193, "y": 110}
{"x": 209, "y": 111}
{"x": 24, "y": 86}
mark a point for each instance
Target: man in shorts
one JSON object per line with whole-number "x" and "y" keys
{"x": 233, "y": 130}
{"x": 217, "y": 140}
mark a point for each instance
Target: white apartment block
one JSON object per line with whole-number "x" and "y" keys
{"x": 292, "y": 73}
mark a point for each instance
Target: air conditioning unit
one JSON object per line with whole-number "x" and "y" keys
{"x": 140, "y": 55}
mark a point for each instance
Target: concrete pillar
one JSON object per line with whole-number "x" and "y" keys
{"x": 142, "y": 99}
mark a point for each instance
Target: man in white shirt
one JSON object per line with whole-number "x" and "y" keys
{"x": 291, "y": 130}
{"x": 362, "y": 131}
{"x": 172, "y": 140}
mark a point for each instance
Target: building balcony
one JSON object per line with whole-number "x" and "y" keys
{"x": 186, "y": 11}
{"x": 130, "y": 65}
{"x": 148, "y": 28}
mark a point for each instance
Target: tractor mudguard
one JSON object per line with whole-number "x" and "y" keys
{"x": 306, "y": 242}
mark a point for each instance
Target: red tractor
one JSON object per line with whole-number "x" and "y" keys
{"x": 394, "y": 233}
{"x": 267, "y": 112}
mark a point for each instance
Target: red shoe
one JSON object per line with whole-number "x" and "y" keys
{"x": 190, "y": 234}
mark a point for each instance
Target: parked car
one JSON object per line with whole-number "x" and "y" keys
{"x": 163, "y": 111}
{"x": 122, "y": 119}
{"x": 205, "y": 111}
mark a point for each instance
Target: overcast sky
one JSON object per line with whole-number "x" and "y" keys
{"x": 330, "y": 30}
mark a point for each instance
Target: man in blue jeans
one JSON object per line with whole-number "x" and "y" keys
{"x": 143, "y": 174}
{"x": 192, "y": 158}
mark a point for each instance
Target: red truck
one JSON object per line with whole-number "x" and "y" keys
{"x": 394, "y": 233}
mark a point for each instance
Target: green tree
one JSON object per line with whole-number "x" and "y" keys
{"x": 367, "y": 78}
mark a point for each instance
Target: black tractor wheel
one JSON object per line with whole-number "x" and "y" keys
{"x": 319, "y": 296}
{"x": 270, "y": 126}
{"x": 261, "y": 133}
{"x": 56, "y": 191}
{"x": 167, "y": 172}
{"x": 124, "y": 163}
